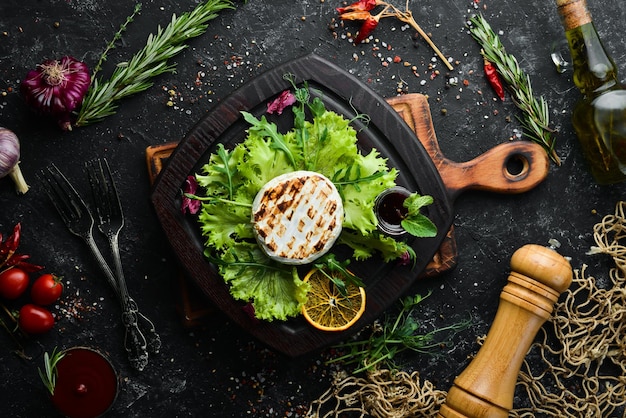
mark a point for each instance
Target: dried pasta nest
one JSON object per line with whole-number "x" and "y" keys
{"x": 578, "y": 366}
{"x": 382, "y": 394}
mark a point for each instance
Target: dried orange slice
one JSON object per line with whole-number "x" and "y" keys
{"x": 326, "y": 308}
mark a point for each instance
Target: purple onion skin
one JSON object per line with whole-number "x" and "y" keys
{"x": 57, "y": 87}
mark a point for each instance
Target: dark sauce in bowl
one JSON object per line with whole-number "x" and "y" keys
{"x": 86, "y": 384}
{"x": 390, "y": 210}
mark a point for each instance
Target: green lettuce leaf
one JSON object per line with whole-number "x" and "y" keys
{"x": 365, "y": 246}
{"x": 224, "y": 225}
{"x": 276, "y": 291}
{"x": 260, "y": 163}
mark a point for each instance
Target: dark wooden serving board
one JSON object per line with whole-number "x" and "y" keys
{"x": 485, "y": 173}
{"x": 385, "y": 131}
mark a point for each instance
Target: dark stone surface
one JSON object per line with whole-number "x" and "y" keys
{"x": 216, "y": 369}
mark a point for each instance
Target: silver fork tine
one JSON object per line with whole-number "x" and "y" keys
{"x": 66, "y": 200}
{"x": 105, "y": 195}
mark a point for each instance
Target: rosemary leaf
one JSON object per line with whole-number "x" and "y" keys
{"x": 135, "y": 76}
{"x": 536, "y": 117}
{"x": 49, "y": 375}
{"x": 117, "y": 37}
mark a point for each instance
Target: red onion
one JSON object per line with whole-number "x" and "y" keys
{"x": 56, "y": 88}
{"x": 10, "y": 158}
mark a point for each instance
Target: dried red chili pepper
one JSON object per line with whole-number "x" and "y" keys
{"x": 494, "y": 79}
{"x": 356, "y": 15}
{"x": 19, "y": 260}
{"x": 8, "y": 247}
{"x": 366, "y": 28}
{"x": 365, "y": 5}
{"x": 8, "y": 256}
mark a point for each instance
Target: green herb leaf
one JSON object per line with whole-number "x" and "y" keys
{"x": 116, "y": 38}
{"x": 49, "y": 375}
{"x": 264, "y": 128}
{"x": 364, "y": 246}
{"x": 419, "y": 226}
{"x": 329, "y": 264}
{"x": 415, "y": 223}
{"x": 394, "y": 335}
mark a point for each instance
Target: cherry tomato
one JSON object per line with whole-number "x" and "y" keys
{"x": 34, "y": 319}
{"x": 46, "y": 289}
{"x": 13, "y": 282}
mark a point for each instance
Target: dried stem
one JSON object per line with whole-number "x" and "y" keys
{"x": 20, "y": 349}
{"x": 406, "y": 16}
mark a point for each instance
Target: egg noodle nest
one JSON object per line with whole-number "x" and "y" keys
{"x": 575, "y": 368}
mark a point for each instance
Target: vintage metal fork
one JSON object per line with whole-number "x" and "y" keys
{"x": 110, "y": 221}
{"x": 76, "y": 216}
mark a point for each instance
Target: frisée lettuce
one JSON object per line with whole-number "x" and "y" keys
{"x": 326, "y": 143}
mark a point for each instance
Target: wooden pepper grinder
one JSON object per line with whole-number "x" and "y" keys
{"x": 486, "y": 387}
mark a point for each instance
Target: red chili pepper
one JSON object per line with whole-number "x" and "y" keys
{"x": 8, "y": 247}
{"x": 366, "y": 5}
{"x": 366, "y": 28}
{"x": 8, "y": 256}
{"x": 355, "y": 15}
{"x": 19, "y": 260}
{"x": 494, "y": 79}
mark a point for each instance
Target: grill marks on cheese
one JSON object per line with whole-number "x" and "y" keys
{"x": 297, "y": 217}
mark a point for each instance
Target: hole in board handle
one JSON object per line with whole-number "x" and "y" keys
{"x": 516, "y": 167}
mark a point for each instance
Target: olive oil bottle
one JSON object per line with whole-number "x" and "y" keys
{"x": 600, "y": 116}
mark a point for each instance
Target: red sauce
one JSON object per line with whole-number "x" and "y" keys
{"x": 86, "y": 384}
{"x": 390, "y": 210}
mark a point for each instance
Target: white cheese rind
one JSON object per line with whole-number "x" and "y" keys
{"x": 297, "y": 217}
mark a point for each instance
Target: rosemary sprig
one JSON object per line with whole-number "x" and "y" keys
{"x": 49, "y": 375}
{"x": 116, "y": 38}
{"x": 536, "y": 120}
{"x": 135, "y": 76}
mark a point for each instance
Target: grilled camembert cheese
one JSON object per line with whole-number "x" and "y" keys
{"x": 297, "y": 217}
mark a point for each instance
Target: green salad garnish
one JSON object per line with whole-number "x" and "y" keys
{"x": 325, "y": 143}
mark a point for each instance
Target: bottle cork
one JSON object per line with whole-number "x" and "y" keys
{"x": 574, "y": 13}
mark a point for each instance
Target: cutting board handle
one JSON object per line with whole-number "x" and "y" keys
{"x": 511, "y": 167}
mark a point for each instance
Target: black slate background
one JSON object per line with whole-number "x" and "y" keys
{"x": 217, "y": 369}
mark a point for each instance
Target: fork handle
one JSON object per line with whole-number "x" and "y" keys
{"x": 134, "y": 342}
{"x": 148, "y": 329}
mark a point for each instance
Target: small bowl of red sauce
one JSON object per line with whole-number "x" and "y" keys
{"x": 390, "y": 211}
{"x": 86, "y": 384}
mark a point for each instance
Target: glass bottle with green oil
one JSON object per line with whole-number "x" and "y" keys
{"x": 600, "y": 116}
